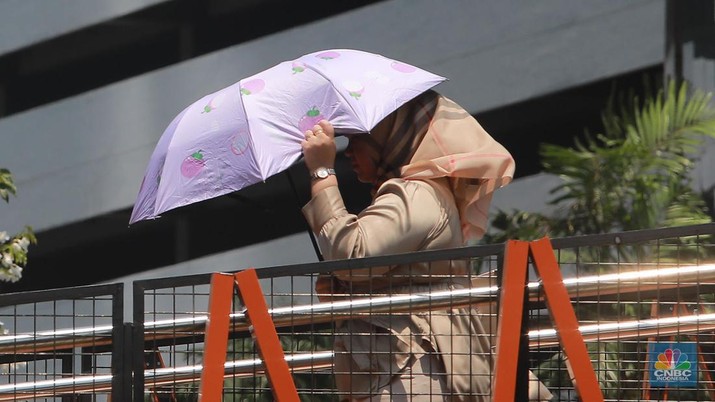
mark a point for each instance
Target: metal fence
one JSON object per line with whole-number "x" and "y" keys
{"x": 639, "y": 296}
{"x": 62, "y": 344}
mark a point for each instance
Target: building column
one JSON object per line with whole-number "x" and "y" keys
{"x": 690, "y": 55}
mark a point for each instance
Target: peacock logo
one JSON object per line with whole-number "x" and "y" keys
{"x": 672, "y": 359}
{"x": 673, "y": 364}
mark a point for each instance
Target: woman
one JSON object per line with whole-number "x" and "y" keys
{"x": 433, "y": 169}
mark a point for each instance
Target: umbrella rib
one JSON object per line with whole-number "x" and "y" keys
{"x": 250, "y": 137}
{"x": 345, "y": 100}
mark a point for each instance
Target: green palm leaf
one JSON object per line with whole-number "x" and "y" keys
{"x": 636, "y": 173}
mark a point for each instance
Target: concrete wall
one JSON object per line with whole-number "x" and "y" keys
{"x": 86, "y": 155}
{"x": 27, "y": 22}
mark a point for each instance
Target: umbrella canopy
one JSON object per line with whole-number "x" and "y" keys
{"x": 251, "y": 130}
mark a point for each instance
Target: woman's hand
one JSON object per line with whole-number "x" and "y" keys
{"x": 319, "y": 151}
{"x": 319, "y": 146}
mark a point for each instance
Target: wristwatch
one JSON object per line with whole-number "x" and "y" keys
{"x": 321, "y": 173}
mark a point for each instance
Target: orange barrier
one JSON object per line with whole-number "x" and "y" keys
{"x": 562, "y": 314}
{"x": 263, "y": 330}
{"x": 216, "y": 341}
{"x": 511, "y": 310}
{"x": 269, "y": 346}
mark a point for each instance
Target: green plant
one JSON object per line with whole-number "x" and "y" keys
{"x": 637, "y": 174}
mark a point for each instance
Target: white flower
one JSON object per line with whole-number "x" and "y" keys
{"x": 16, "y": 272}
{"x": 11, "y": 274}
{"x": 4, "y": 275}
{"x": 6, "y": 260}
{"x": 21, "y": 244}
{"x": 4, "y": 237}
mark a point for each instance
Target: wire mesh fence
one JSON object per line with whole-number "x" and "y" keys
{"x": 61, "y": 344}
{"x": 637, "y": 295}
{"x": 644, "y": 302}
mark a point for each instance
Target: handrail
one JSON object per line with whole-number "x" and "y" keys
{"x": 666, "y": 326}
{"x": 154, "y": 377}
{"x": 580, "y": 287}
{"x": 623, "y": 330}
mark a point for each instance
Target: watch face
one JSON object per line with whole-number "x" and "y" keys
{"x": 322, "y": 172}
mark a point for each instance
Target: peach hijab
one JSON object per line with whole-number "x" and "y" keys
{"x": 430, "y": 137}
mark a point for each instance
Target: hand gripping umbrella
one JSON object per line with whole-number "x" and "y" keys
{"x": 252, "y": 130}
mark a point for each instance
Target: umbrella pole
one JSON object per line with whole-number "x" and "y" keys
{"x": 310, "y": 231}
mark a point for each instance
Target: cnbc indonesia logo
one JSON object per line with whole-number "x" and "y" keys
{"x": 673, "y": 365}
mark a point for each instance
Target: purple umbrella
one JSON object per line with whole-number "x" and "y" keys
{"x": 252, "y": 130}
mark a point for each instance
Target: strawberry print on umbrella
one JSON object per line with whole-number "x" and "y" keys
{"x": 309, "y": 119}
{"x": 193, "y": 164}
{"x": 252, "y": 129}
{"x": 252, "y": 86}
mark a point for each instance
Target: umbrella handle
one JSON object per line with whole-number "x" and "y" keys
{"x": 310, "y": 231}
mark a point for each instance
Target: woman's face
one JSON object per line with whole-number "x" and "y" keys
{"x": 359, "y": 151}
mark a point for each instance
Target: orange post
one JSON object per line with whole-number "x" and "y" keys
{"x": 565, "y": 322}
{"x": 264, "y": 331}
{"x": 216, "y": 340}
{"x": 511, "y": 310}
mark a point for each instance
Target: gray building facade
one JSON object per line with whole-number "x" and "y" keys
{"x": 80, "y": 113}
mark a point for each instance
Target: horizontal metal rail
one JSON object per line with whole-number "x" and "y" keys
{"x": 43, "y": 341}
{"x": 588, "y": 286}
{"x": 155, "y": 377}
{"x": 619, "y": 331}
{"x": 623, "y": 330}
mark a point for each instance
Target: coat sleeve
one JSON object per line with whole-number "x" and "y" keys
{"x": 401, "y": 218}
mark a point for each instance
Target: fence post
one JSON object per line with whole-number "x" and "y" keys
{"x": 216, "y": 339}
{"x": 564, "y": 318}
{"x": 511, "y": 313}
{"x": 123, "y": 382}
{"x": 264, "y": 331}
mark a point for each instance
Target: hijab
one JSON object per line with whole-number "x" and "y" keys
{"x": 430, "y": 137}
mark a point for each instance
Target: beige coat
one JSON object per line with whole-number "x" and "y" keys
{"x": 405, "y": 216}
